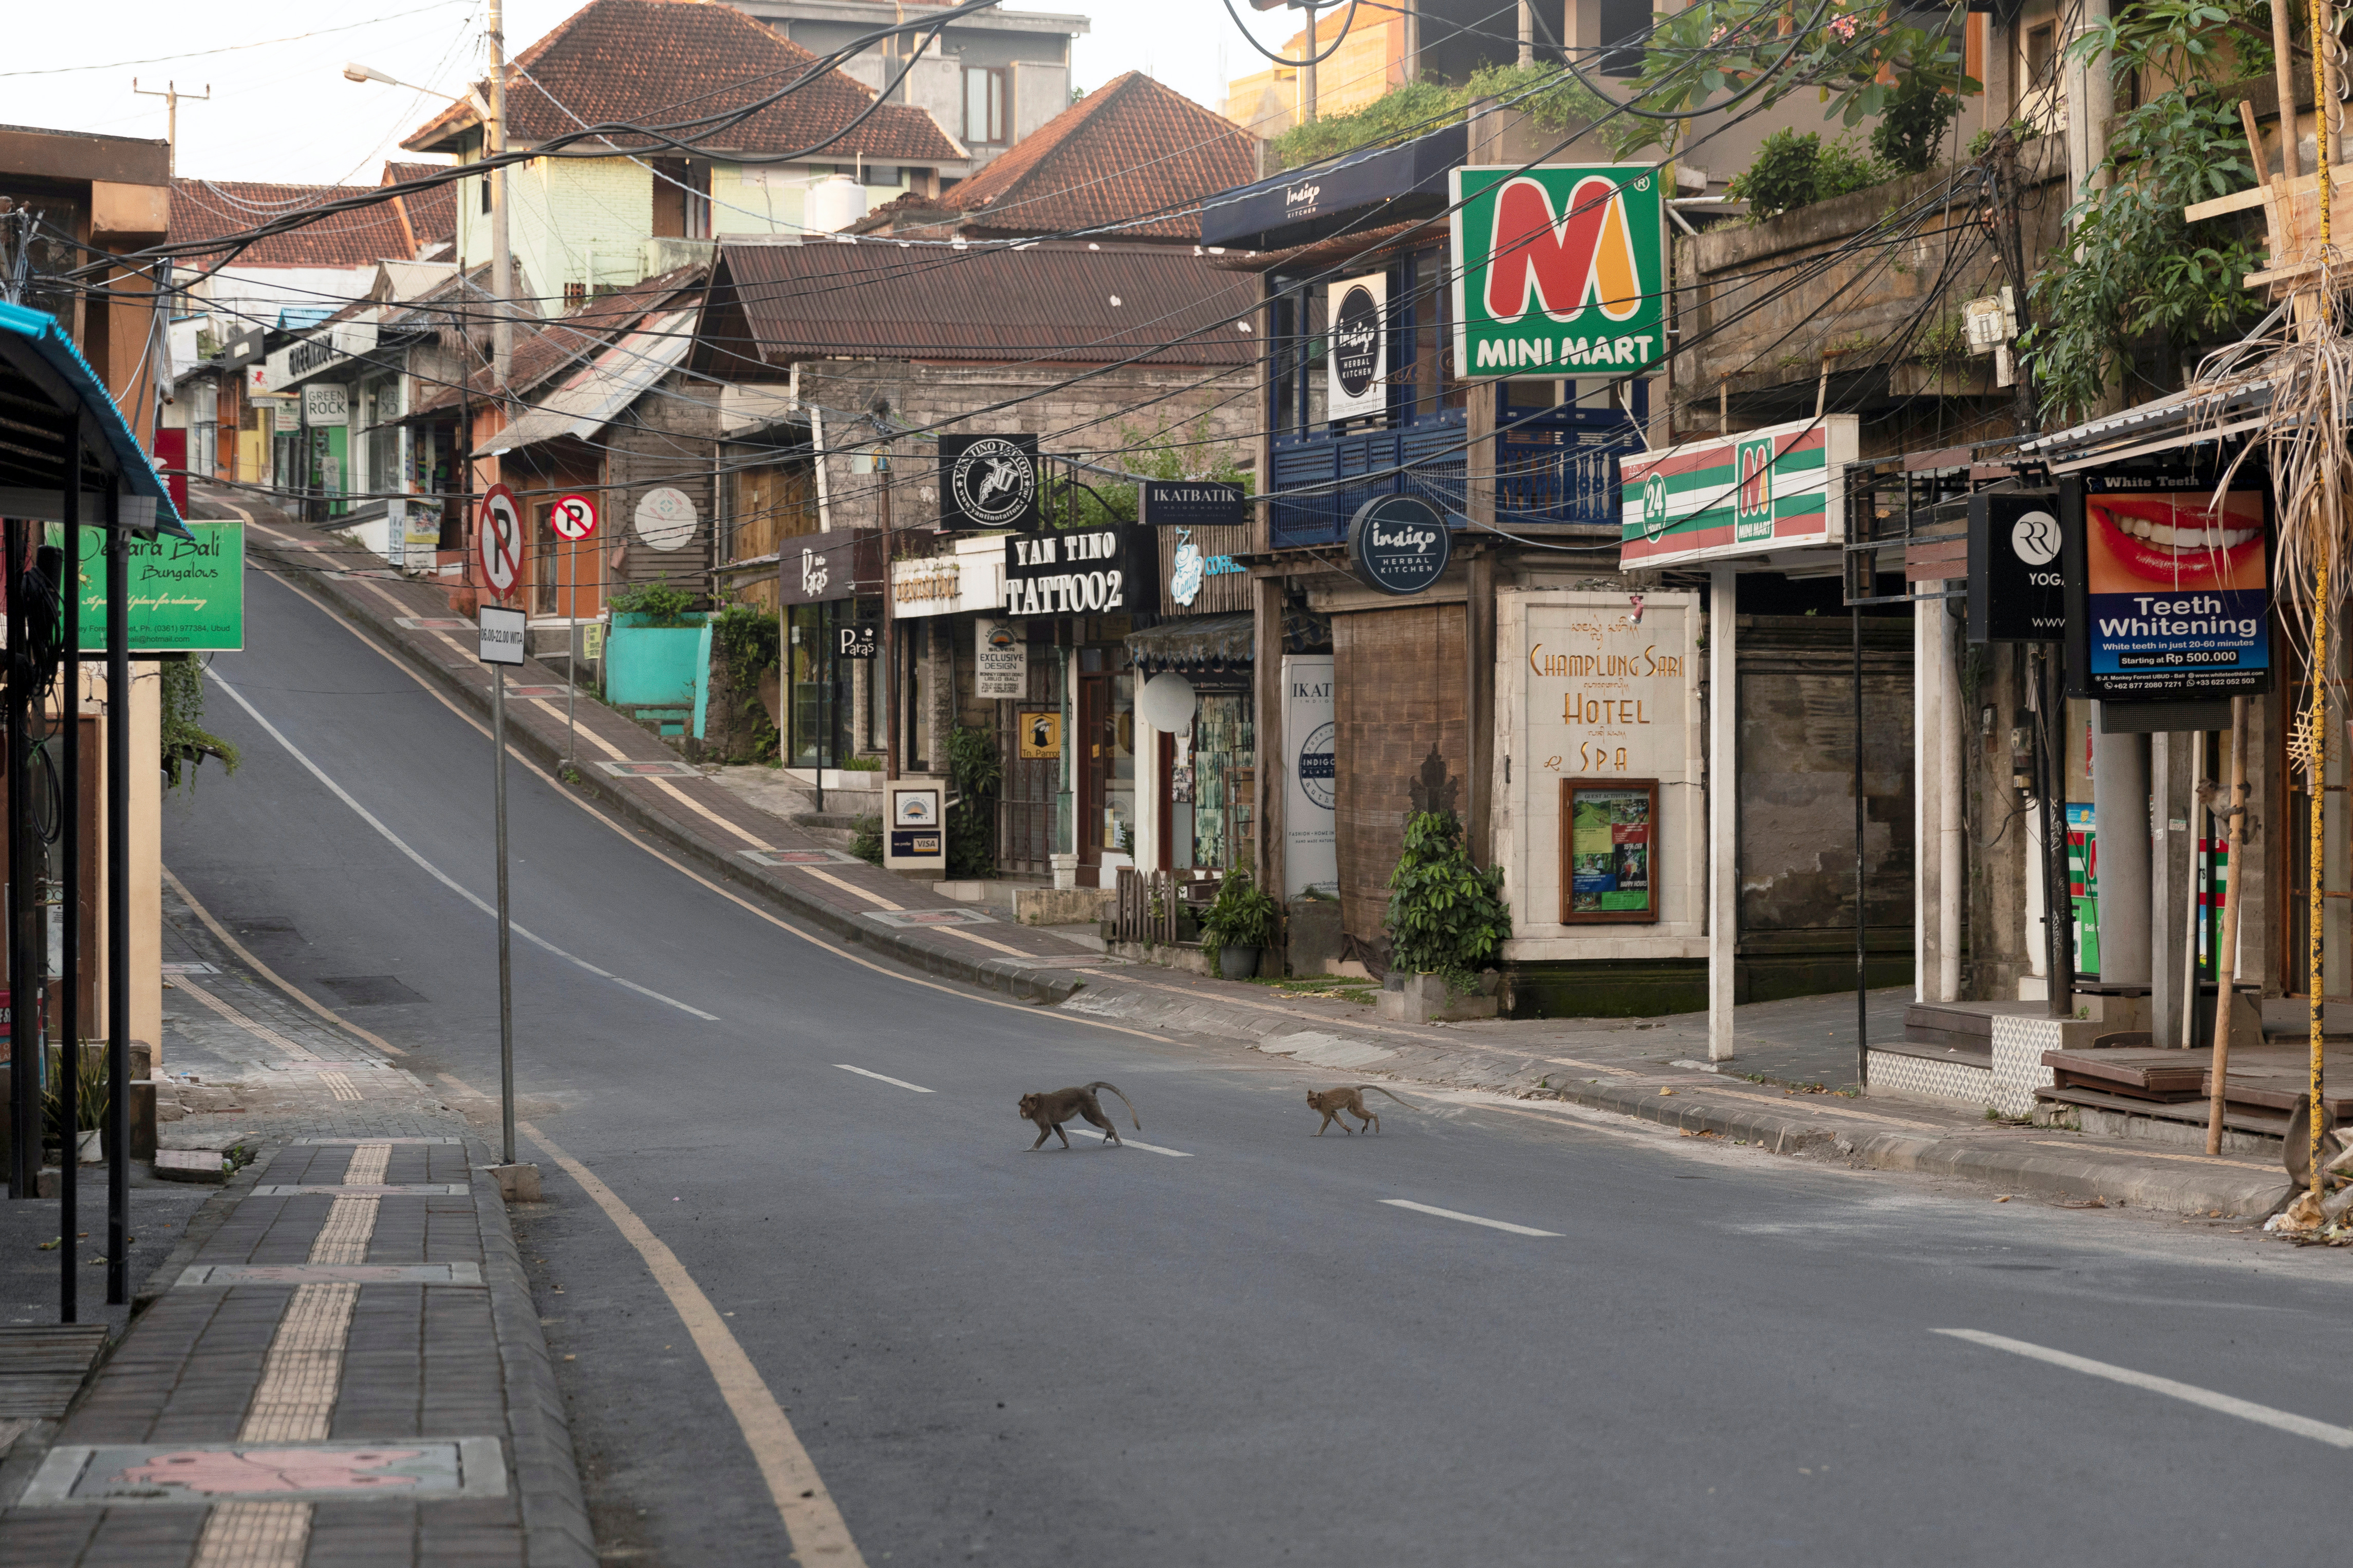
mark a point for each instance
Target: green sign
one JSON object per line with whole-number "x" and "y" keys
{"x": 187, "y": 595}
{"x": 1558, "y": 271}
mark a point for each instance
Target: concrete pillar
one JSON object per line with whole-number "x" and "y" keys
{"x": 2120, "y": 817}
{"x": 1723, "y": 807}
{"x": 1951, "y": 778}
{"x": 2173, "y": 812}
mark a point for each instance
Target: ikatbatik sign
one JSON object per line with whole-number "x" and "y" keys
{"x": 1355, "y": 314}
{"x": 1753, "y": 493}
{"x": 989, "y": 481}
{"x": 1192, "y": 503}
{"x": 2169, "y": 592}
{"x": 1558, "y": 269}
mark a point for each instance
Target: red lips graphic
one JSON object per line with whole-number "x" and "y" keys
{"x": 2171, "y": 563}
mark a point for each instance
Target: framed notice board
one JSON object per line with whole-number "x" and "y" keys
{"x": 1609, "y": 851}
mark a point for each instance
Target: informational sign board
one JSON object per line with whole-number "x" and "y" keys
{"x": 187, "y": 595}
{"x": 326, "y": 403}
{"x": 1311, "y": 847}
{"x": 1752, "y": 493}
{"x": 1000, "y": 666}
{"x": 989, "y": 481}
{"x": 857, "y": 639}
{"x": 503, "y": 633}
{"x": 2168, "y": 590}
{"x": 1609, "y": 838}
{"x": 914, "y": 827}
{"x": 839, "y": 564}
{"x": 1399, "y": 544}
{"x": 1356, "y": 357}
{"x": 1558, "y": 269}
{"x": 2017, "y": 590}
{"x": 498, "y": 541}
{"x": 1079, "y": 572}
{"x": 666, "y": 517}
{"x": 1192, "y": 503}
{"x": 573, "y": 517}
{"x": 1041, "y": 736}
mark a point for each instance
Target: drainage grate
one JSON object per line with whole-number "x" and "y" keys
{"x": 801, "y": 857}
{"x": 652, "y": 770}
{"x": 434, "y": 623}
{"x": 928, "y": 917}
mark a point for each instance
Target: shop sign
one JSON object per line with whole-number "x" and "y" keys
{"x": 1192, "y": 503}
{"x": 1191, "y": 567}
{"x": 2017, "y": 591}
{"x": 1558, "y": 269}
{"x": 917, "y": 838}
{"x": 989, "y": 481}
{"x": 1753, "y": 493}
{"x": 839, "y": 564}
{"x": 857, "y": 639}
{"x": 1356, "y": 315}
{"x": 1083, "y": 572}
{"x": 1041, "y": 736}
{"x": 1310, "y": 852}
{"x": 666, "y": 517}
{"x": 2167, "y": 593}
{"x": 1399, "y": 544}
{"x": 1001, "y": 663}
{"x": 326, "y": 403}
{"x": 187, "y": 595}
{"x": 928, "y": 581}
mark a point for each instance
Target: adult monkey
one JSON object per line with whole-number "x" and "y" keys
{"x": 1049, "y": 1109}
{"x": 1349, "y": 1097}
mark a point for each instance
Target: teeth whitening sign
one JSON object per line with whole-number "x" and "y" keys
{"x": 2169, "y": 586}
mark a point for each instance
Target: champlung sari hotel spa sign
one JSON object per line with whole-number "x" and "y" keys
{"x": 1558, "y": 269}
{"x": 1751, "y": 493}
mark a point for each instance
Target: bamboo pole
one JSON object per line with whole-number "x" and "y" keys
{"x": 2318, "y": 780}
{"x": 2226, "y": 960}
{"x": 2284, "y": 74}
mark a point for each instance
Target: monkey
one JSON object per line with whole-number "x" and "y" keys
{"x": 1050, "y": 1109}
{"x": 1348, "y": 1097}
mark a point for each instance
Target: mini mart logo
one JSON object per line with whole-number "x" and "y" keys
{"x": 1558, "y": 269}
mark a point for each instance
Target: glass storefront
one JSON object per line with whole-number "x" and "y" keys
{"x": 820, "y": 707}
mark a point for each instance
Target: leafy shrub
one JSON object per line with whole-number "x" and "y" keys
{"x": 186, "y": 742}
{"x": 1446, "y": 916}
{"x": 1243, "y": 916}
{"x": 866, "y": 842}
{"x": 746, "y": 637}
{"x": 1795, "y": 171}
{"x": 973, "y": 773}
{"x": 1912, "y": 127}
{"x": 658, "y": 603}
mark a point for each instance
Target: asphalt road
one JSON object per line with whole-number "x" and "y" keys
{"x": 1247, "y": 1354}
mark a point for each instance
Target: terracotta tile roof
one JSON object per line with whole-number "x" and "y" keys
{"x": 1063, "y": 302}
{"x": 210, "y": 209}
{"x": 1129, "y": 148}
{"x": 431, "y": 215}
{"x": 543, "y": 349}
{"x": 643, "y": 62}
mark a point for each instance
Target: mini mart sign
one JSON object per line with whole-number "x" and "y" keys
{"x": 1754, "y": 493}
{"x": 1558, "y": 269}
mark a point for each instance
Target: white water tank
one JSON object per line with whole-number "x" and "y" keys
{"x": 834, "y": 204}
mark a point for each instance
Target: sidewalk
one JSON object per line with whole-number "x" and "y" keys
{"x": 1802, "y": 1051}
{"x": 339, "y": 1362}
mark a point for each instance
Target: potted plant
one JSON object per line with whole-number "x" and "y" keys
{"x": 1447, "y": 919}
{"x": 89, "y": 1104}
{"x": 1238, "y": 926}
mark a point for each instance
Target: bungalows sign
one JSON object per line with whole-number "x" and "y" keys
{"x": 1558, "y": 269}
{"x": 1083, "y": 571}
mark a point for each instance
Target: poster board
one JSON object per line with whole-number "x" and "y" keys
{"x": 1610, "y": 849}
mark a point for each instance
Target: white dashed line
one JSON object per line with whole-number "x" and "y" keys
{"x": 2244, "y": 1409}
{"x": 882, "y": 1078}
{"x": 1131, "y": 1144}
{"x": 1467, "y": 1218}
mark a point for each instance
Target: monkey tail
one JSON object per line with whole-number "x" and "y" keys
{"x": 1132, "y": 1116}
{"x": 1377, "y": 1088}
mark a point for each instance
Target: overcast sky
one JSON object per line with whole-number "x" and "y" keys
{"x": 282, "y": 111}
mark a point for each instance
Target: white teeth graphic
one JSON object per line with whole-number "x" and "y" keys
{"x": 2199, "y": 537}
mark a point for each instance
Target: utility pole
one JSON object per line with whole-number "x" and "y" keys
{"x": 890, "y": 635}
{"x": 494, "y": 142}
{"x": 171, "y": 95}
{"x": 1527, "y": 32}
{"x": 1307, "y": 71}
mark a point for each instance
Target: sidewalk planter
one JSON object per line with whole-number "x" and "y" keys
{"x": 658, "y": 667}
{"x": 1235, "y": 963}
{"x": 1425, "y": 999}
{"x": 91, "y": 1147}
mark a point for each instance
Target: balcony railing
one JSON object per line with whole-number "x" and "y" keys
{"x": 1550, "y": 470}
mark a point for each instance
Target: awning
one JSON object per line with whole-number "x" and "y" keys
{"x": 46, "y": 385}
{"x": 2164, "y": 424}
{"x": 593, "y": 396}
{"x": 1362, "y": 190}
{"x": 1219, "y": 645}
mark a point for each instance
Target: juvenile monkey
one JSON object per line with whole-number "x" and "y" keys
{"x": 1349, "y": 1098}
{"x": 1050, "y": 1109}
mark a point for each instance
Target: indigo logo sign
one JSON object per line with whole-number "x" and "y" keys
{"x": 1399, "y": 544}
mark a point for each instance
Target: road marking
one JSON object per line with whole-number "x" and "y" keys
{"x": 267, "y": 972}
{"x": 260, "y": 1031}
{"x": 1467, "y": 1218}
{"x": 1130, "y": 1143}
{"x": 852, "y": 889}
{"x": 819, "y": 1534}
{"x": 434, "y": 871}
{"x": 880, "y": 1077}
{"x": 2244, "y": 1409}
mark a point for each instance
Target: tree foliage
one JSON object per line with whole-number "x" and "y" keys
{"x": 1446, "y": 916}
{"x": 1795, "y": 171}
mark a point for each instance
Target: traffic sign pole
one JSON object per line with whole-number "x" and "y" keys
{"x": 504, "y": 637}
{"x": 573, "y": 518}
{"x": 506, "y": 955}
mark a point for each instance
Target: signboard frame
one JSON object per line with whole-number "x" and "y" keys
{"x": 573, "y": 518}
{"x": 1610, "y": 784}
{"x": 970, "y": 495}
{"x": 1192, "y": 503}
{"x": 1108, "y": 579}
{"x": 1537, "y": 220}
{"x": 1357, "y": 350}
{"x": 1381, "y": 561}
{"x": 2189, "y": 667}
{"x": 1691, "y": 502}
{"x": 1000, "y": 659}
{"x": 214, "y": 625}
{"x": 498, "y": 541}
{"x": 2018, "y": 591}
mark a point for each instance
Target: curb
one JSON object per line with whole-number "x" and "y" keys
{"x": 554, "y": 1512}
{"x": 1043, "y": 986}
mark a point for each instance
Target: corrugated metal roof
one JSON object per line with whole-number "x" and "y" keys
{"x": 1060, "y": 301}
{"x": 595, "y": 396}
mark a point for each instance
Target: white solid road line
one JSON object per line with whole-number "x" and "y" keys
{"x": 882, "y": 1078}
{"x": 434, "y": 871}
{"x": 1467, "y": 1218}
{"x": 1131, "y": 1143}
{"x": 2244, "y": 1409}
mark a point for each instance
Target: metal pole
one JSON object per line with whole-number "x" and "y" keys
{"x": 1861, "y": 814}
{"x": 494, "y": 142}
{"x": 2196, "y": 885}
{"x": 2058, "y": 882}
{"x": 117, "y": 904}
{"x": 571, "y": 660}
{"x": 506, "y": 962}
{"x": 2226, "y": 960}
{"x": 824, "y": 652}
{"x": 24, "y": 1039}
{"x": 1307, "y": 71}
{"x": 890, "y": 641}
{"x": 70, "y": 877}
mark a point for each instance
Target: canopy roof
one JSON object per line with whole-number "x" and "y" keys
{"x": 46, "y": 386}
